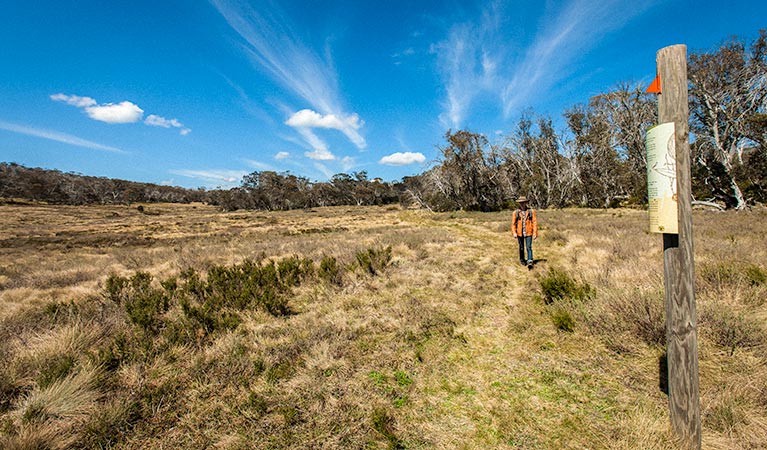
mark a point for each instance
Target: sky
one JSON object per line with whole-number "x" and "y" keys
{"x": 198, "y": 93}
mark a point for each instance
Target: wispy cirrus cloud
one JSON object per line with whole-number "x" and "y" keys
{"x": 273, "y": 46}
{"x": 323, "y": 169}
{"x": 475, "y": 58}
{"x": 58, "y": 137}
{"x": 348, "y": 163}
{"x": 259, "y": 165}
{"x": 572, "y": 31}
{"x": 467, "y": 61}
{"x": 320, "y": 148}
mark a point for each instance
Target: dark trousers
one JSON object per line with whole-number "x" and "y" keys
{"x": 526, "y": 241}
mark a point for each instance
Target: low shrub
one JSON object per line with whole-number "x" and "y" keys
{"x": 293, "y": 270}
{"x": 720, "y": 275}
{"x": 115, "y": 287}
{"x": 643, "y": 313}
{"x": 557, "y": 285}
{"x": 143, "y": 303}
{"x": 330, "y": 270}
{"x": 731, "y": 329}
{"x": 211, "y": 303}
{"x": 732, "y": 274}
{"x": 563, "y": 319}
{"x": 252, "y": 284}
{"x": 374, "y": 260}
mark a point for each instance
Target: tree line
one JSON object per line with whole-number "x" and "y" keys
{"x": 54, "y": 186}
{"x": 259, "y": 190}
{"x": 596, "y": 159}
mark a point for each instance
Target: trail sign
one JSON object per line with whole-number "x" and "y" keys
{"x": 660, "y": 144}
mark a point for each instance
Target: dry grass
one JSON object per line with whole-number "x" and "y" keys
{"x": 449, "y": 345}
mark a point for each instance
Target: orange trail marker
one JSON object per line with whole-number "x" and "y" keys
{"x": 654, "y": 86}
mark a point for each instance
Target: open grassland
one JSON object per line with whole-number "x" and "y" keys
{"x": 183, "y": 327}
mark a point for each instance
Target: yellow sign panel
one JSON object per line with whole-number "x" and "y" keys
{"x": 661, "y": 178}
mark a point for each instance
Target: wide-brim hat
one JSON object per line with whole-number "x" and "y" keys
{"x": 522, "y": 199}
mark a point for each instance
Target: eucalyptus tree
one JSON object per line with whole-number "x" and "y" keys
{"x": 728, "y": 97}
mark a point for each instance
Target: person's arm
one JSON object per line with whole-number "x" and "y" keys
{"x": 514, "y": 224}
{"x": 535, "y": 225}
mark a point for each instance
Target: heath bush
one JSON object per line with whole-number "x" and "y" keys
{"x": 374, "y": 260}
{"x": 557, "y": 285}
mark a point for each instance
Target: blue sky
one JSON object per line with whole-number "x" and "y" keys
{"x": 199, "y": 93}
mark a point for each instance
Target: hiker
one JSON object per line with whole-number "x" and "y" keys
{"x": 524, "y": 227}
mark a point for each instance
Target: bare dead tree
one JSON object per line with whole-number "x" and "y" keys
{"x": 728, "y": 89}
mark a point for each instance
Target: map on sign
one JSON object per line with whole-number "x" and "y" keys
{"x": 661, "y": 178}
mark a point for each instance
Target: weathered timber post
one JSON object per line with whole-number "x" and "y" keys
{"x": 678, "y": 263}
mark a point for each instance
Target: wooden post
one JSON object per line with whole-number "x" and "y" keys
{"x": 678, "y": 264}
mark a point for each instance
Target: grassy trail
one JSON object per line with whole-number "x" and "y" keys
{"x": 516, "y": 382}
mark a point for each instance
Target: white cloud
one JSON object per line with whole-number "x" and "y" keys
{"x": 320, "y": 155}
{"x": 281, "y": 155}
{"x": 158, "y": 121}
{"x": 348, "y": 125}
{"x": 311, "y": 119}
{"x": 402, "y": 159}
{"x": 319, "y": 147}
{"x": 123, "y": 112}
{"x": 214, "y": 177}
{"x": 74, "y": 100}
{"x": 58, "y": 137}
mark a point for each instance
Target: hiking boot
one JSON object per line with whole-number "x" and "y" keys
{"x": 522, "y": 261}
{"x": 530, "y": 264}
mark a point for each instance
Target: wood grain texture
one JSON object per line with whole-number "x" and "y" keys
{"x": 679, "y": 267}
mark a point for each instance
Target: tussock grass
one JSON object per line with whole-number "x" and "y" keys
{"x": 390, "y": 329}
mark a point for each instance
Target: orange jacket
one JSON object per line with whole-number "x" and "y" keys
{"x": 531, "y": 223}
